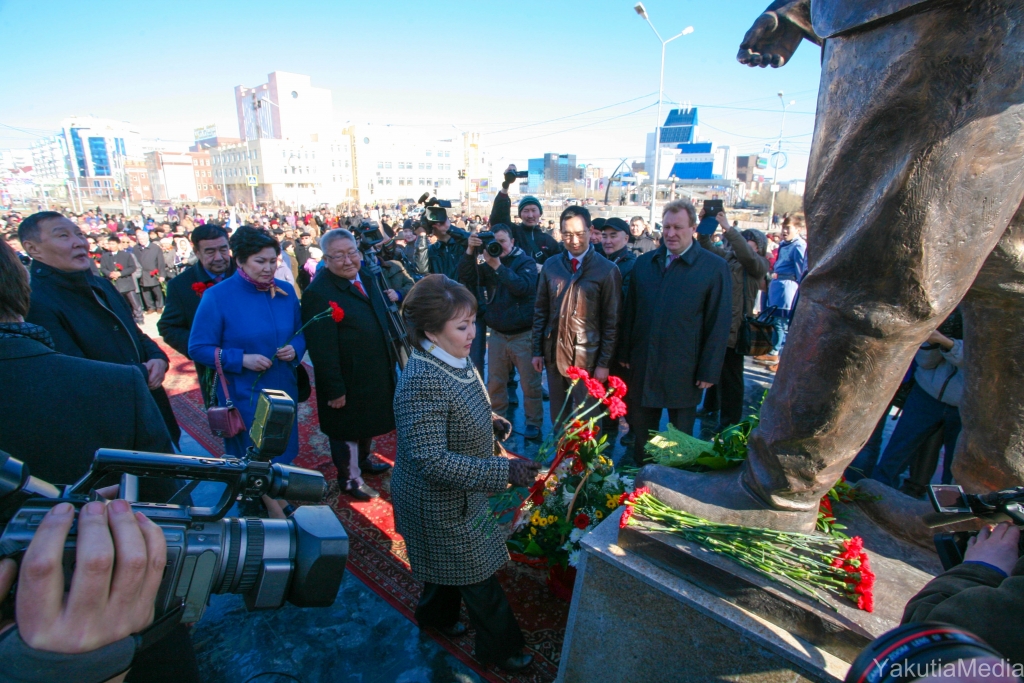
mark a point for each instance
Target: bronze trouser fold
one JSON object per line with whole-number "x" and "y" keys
{"x": 916, "y": 169}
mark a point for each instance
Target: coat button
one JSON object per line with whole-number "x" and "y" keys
{"x": 116, "y": 328}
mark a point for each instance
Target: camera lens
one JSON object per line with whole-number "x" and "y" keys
{"x": 494, "y": 249}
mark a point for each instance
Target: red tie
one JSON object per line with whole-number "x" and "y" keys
{"x": 575, "y": 265}
{"x": 359, "y": 286}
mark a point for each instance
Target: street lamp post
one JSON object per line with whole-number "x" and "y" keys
{"x": 639, "y": 9}
{"x": 778, "y": 157}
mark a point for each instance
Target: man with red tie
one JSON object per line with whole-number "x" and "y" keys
{"x": 353, "y": 362}
{"x": 576, "y": 315}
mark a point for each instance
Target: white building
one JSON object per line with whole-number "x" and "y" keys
{"x": 286, "y": 107}
{"x": 796, "y": 187}
{"x": 288, "y": 171}
{"x": 395, "y": 163}
{"x": 171, "y": 176}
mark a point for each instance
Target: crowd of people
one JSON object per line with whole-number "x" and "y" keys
{"x": 425, "y": 323}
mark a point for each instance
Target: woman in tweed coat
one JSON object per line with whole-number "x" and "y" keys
{"x": 446, "y": 469}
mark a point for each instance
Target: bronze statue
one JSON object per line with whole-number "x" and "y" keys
{"x": 913, "y": 203}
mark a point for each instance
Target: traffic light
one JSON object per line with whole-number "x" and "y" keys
{"x": 462, "y": 174}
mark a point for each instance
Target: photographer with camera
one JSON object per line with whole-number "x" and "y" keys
{"x": 443, "y": 256}
{"x": 87, "y": 637}
{"x": 509, "y": 278}
{"x": 984, "y": 594}
{"x": 537, "y": 244}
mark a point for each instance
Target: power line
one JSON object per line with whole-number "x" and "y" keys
{"x": 562, "y": 118}
{"x": 566, "y": 130}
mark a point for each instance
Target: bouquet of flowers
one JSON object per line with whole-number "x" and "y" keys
{"x": 806, "y": 563}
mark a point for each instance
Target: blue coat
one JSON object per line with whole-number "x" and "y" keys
{"x": 237, "y": 318}
{"x": 790, "y": 267}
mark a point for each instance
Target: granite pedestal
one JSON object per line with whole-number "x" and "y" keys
{"x": 648, "y": 606}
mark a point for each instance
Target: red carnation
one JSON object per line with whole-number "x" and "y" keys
{"x": 581, "y": 521}
{"x": 624, "y": 520}
{"x": 337, "y": 312}
{"x": 119, "y": 266}
{"x": 574, "y": 373}
{"x": 618, "y": 387}
{"x": 199, "y": 288}
{"x": 595, "y": 388}
{"x": 154, "y": 272}
{"x": 616, "y": 408}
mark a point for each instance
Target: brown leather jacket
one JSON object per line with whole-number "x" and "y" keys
{"x": 576, "y": 316}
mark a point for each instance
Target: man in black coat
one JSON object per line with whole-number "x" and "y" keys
{"x": 529, "y": 236}
{"x": 83, "y": 313}
{"x": 615, "y": 240}
{"x": 677, "y": 317}
{"x": 210, "y": 244}
{"x": 353, "y": 362}
{"x": 154, "y": 271}
{"x": 119, "y": 268}
{"x": 640, "y": 239}
{"x": 509, "y": 285}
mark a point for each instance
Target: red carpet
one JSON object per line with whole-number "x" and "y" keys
{"x": 377, "y": 553}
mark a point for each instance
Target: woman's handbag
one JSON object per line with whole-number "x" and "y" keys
{"x": 754, "y": 338}
{"x": 225, "y": 421}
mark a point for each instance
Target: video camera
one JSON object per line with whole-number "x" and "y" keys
{"x": 300, "y": 559}
{"x": 952, "y": 505}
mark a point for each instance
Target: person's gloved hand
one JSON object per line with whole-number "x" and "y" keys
{"x": 502, "y": 427}
{"x": 522, "y": 472}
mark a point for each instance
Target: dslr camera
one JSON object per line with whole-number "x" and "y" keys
{"x": 952, "y": 505}
{"x": 490, "y": 245}
{"x": 300, "y": 559}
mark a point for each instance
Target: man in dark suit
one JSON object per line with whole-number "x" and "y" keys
{"x": 353, "y": 362}
{"x": 119, "y": 268}
{"x": 677, "y": 317}
{"x": 154, "y": 271}
{"x": 83, "y": 313}
{"x": 210, "y": 244}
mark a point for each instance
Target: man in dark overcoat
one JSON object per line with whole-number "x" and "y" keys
{"x": 154, "y": 271}
{"x": 84, "y": 314}
{"x": 353, "y": 362}
{"x": 210, "y": 244}
{"x": 119, "y": 268}
{"x": 678, "y": 313}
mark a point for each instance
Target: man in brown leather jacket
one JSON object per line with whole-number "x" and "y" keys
{"x": 576, "y": 316}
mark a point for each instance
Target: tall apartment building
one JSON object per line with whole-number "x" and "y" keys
{"x": 395, "y": 163}
{"x": 97, "y": 151}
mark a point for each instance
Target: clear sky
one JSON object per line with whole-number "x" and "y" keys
{"x": 505, "y": 69}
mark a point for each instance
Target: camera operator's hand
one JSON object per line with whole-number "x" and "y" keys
{"x": 996, "y": 546}
{"x": 119, "y": 563}
{"x": 723, "y": 221}
{"x": 522, "y": 472}
{"x": 157, "y": 369}
{"x": 256, "y": 362}
{"x": 442, "y": 228}
{"x": 473, "y": 243}
{"x": 286, "y": 353}
{"x": 493, "y": 261}
{"x": 392, "y": 295}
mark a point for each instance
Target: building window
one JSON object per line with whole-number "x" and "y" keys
{"x": 421, "y": 165}
{"x": 387, "y": 181}
{"x": 380, "y": 164}
{"x": 428, "y": 166}
{"x": 428, "y": 152}
{"x": 387, "y": 164}
{"x": 447, "y": 152}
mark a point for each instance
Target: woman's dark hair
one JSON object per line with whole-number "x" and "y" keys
{"x": 14, "y": 289}
{"x": 248, "y": 241}
{"x": 432, "y": 302}
{"x": 209, "y": 231}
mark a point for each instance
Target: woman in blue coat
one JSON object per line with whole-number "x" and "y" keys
{"x": 251, "y": 317}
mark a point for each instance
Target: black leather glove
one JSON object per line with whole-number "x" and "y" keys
{"x": 522, "y": 472}
{"x": 502, "y": 427}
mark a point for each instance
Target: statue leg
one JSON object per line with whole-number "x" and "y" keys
{"x": 990, "y": 452}
{"x": 917, "y": 167}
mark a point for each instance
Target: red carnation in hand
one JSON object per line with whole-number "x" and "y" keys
{"x": 617, "y": 386}
{"x": 574, "y": 373}
{"x": 154, "y": 272}
{"x": 337, "y": 312}
{"x": 595, "y": 388}
{"x": 581, "y": 521}
{"x": 616, "y": 408}
{"x": 119, "y": 266}
{"x": 199, "y": 288}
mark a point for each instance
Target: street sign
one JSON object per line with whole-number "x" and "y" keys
{"x": 252, "y": 181}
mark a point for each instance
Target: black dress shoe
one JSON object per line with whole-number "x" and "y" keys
{"x": 362, "y": 492}
{"x": 373, "y": 466}
{"x": 459, "y": 629}
{"x": 516, "y": 662}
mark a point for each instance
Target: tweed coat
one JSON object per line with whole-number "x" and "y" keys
{"x": 444, "y": 471}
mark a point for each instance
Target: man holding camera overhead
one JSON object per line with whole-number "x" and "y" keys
{"x": 509, "y": 279}
{"x": 537, "y": 244}
{"x": 442, "y": 256}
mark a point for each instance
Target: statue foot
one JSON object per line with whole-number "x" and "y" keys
{"x": 900, "y": 515}
{"x": 721, "y": 497}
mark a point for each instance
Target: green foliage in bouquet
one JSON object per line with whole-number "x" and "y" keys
{"x": 727, "y": 449}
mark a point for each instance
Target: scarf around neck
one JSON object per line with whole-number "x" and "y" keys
{"x": 260, "y": 287}
{"x": 28, "y": 331}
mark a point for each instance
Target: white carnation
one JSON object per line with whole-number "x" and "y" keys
{"x": 574, "y": 558}
{"x": 576, "y": 534}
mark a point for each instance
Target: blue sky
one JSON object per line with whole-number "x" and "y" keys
{"x": 490, "y": 66}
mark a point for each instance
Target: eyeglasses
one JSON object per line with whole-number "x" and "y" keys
{"x": 352, "y": 256}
